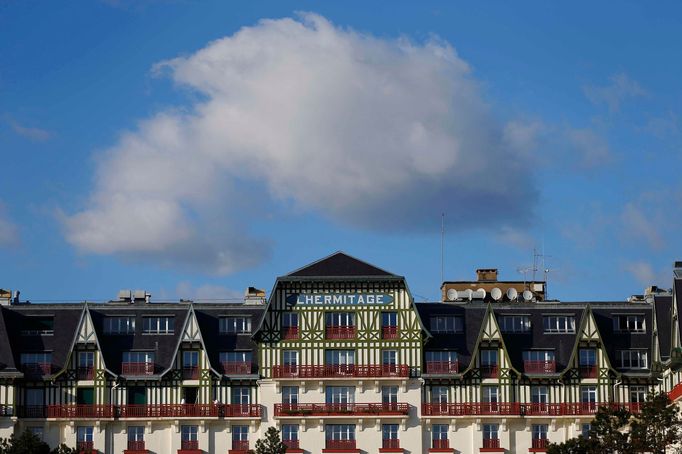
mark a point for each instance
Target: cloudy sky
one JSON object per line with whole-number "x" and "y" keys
{"x": 194, "y": 149}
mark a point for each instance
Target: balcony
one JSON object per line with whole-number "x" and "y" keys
{"x": 239, "y": 447}
{"x": 292, "y": 445}
{"x": 340, "y": 332}
{"x": 85, "y": 373}
{"x": 85, "y": 447}
{"x": 398, "y": 409}
{"x": 471, "y": 409}
{"x": 390, "y": 445}
{"x": 188, "y": 411}
{"x": 290, "y": 332}
{"x": 32, "y": 411}
{"x": 539, "y": 445}
{"x": 74, "y": 411}
{"x": 588, "y": 371}
{"x": 190, "y": 372}
{"x": 389, "y": 332}
{"x": 491, "y": 445}
{"x": 676, "y": 392}
{"x": 189, "y": 447}
{"x": 489, "y": 371}
{"x": 440, "y": 445}
{"x": 36, "y": 370}
{"x": 539, "y": 367}
{"x": 341, "y": 371}
{"x": 442, "y": 367}
{"x": 135, "y": 447}
{"x": 236, "y": 368}
{"x": 340, "y": 446}
{"x": 541, "y": 409}
{"x": 137, "y": 369}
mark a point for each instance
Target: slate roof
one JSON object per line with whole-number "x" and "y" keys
{"x": 7, "y": 363}
{"x": 339, "y": 264}
{"x": 663, "y": 307}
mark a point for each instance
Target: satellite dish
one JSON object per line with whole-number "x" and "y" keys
{"x": 512, "y": 294}
{"x": 451, "y": 294}
{"x": 527, "y": 295}
{"x": 479, "y": 294}
{"x": 496, "y": 293}
{"x": 468, "y": 294}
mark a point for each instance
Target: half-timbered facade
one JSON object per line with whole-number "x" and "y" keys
{"x": 341, "y": 359}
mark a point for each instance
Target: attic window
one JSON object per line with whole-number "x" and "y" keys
{"x": 36, "y": 326}
{"x": 514, "y": 323}
{"x": 235, "y": 325}
{"x": 447, "y": 324}
{"x": 158, "y": 325}
{"x": 119, "y": 325}
{"x": 559, "y": 323}
{"x": 629, "y": 323}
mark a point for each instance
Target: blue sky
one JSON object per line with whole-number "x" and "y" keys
{"x": 193, "y": 149}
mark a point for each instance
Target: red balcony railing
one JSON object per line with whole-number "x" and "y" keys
{"x": 442, "y": 367}
{"x": 440, "y": 444}
{"x": 390, "y": 443}
{"x": 581, "y": 408}
{"x": 71, "y": 411}
{"x": 85, "y": 373}
{"x": 290, "y": 332}
{"x": 389, "y": 332}
{"x": 137, "y": 369}
{"x": 239, "y": 446}
{"x": 32, "y": 411}
{"x": 189, "y": 444}
{"x": 291, "y": 444}
{"x": 136, "y": 446}
{"x": 676, "y": 392}
{"x": 491, "y": 443}
{"x": 471, "y": 409}
{"x": 397, "y": 409}
{"x": 236, "y": 368}
{"x": 489, "y": 371}
{"x": 190, "y": 372}
{"x": 188, "y": 411}
{"x": 36, "y": 370}
{"x": 539, "y": 367}
{"x": 541, "y": 409}
{"x": 85, "y": 447}
{"x": 340, "y": 444}
{"x": 540, "y": 443}
{"x": 340, "y": 332}
{"x": 240, "y": 411}
{"x": 589, "y": 371}
{"x": 341, "y": 370}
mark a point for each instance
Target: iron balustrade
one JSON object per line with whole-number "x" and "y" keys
{"x": 440, "y": 444}
{"x": 137, "y": 369}
{"x": 80, "y": 411}
{"x": 341, "y": 370}
{"x": 539, "y": 367}
{"x": 389, "y": 332}
{"x": 136, "y": 445}
{"x": 588, "y": 371}
{"x": 36, "y": 370}
{"x": 85, "y": 447}
{"x": 491, "y": 443}
{"x": 291, "y": 444}
{"x": 290, "y": 332}
{"x": 340, "y": 444}
{"x": 540, "y": 443}
{"x": 489, "y": 371}
{"x": 240, "y": 445}
{"x": 236, "y": 368}
{"x": 69, "y": 411}
{"x": 340, "y": 332}
{"x": 390, "y": 443}
{"x": 442, "y": 367}
{"x": 523, "y": 409}
{"x": 350, "y": 409}
{"x": 189, "y": 445}
{"x": 190, "y": 372}
{"x": 85, "y": 373}
{"x": 6, "y": 410}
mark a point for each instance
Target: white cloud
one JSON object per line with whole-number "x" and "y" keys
{"x": 517, "y": 238}
{"x": 373, "y": 133}
{"x": 642, "y": 271}
{"x": 208, "y": 292}
{"x": 31, "y": 133}
{"x": 9, "y": 234}
{"x": 620, "y": 88}
{"x": 589, "y": 149}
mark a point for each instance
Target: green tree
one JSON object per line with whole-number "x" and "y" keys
{"x": 29, "y": 443}
{"x": 657, "y": 426}
{"x": 271, "y": 444}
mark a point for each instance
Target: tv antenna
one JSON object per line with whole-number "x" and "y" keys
{"x": 442, "y": 246}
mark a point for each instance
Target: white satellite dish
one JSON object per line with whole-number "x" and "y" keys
{"x": 479, "y": 294}
{"x": 512, "y": 294}
{"x": 468, "y": 294}
{"x": 451, "y": 294}
{"x": 527, "y": 295}
{"x": 496, "y": 293}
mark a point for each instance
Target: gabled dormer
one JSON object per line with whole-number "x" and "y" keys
{"x": 589, "y": 359}
{"x": 490, "y": 357}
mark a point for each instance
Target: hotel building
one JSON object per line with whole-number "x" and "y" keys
{"x": 340, "y": 359}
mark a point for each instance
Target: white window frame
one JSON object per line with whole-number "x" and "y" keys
{"x": 119, "y": 324}
{"x": 135, "y": 433}
{"x": 447, "y": 324}
{"x": 85, "y": 434}
{"x": 339, "y": 394}
{"x": 630, "y": 323}
{"x": 158, "y": 324}
{"x": 558, "y": 324}
{"x": 491, "y": 431}
{"x": 587, "y": 357}
{"x": 290, "y": 395}
{"x": 513, "y": 323}
{"x": 633, "y": 359}
{"x": 539, "y": 394}
{"x": 189, "y": 433}
{"x": 339, "y": 432}
{"x": 289, "y": 432}
{"x": 538, "y": 355}
{"x": 539, "y": 431}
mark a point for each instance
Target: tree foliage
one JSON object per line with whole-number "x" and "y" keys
{"x": 271, "y": 444}
{"x": 29, "y": 443}
{"x": 618, "y": 431}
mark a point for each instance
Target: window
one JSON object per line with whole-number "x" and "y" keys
{"x": 340, "y": 394}
{"x": 86, "y": 360}
{"x": 340, "y": 436}
{"x": 585, "y": 430}
{"x": 241, "y": 395}
{"x": 389, "y": 436}
{"x": 36, "y": 358}
{"x": 638, "y": 394}
{"x": 441, "y": 357}
{"x": 290, "y": 395}
{"x": 289, "y": 432}
{"x": 439, "y": 436}
{"x": 488, "y": 358}
{"x": 235, "y": 363}
{"x": 240, "y": 438}
{"x": 119, "y": 325}
{"x": 339, "y": 319}
{"x": 290, "y": 325}
{"x": 559, "y": 323}
{"x": 138, "y": 357}
{"x": 235, "y": 325}
{"x": 389, "y": 319}
{"x": 158, "y": 325}
{"x": 35, "y": 397}
{"x": 37, "y": 325}
{"x": 389, "y": 357}
{"x": 491, "y": 432}
{"x": 539, "y": 394}
{"x": 514, "y": 323}
{"x": 84, "y": 434}
{"x": 538, "y": 355}
{"x": 539, "y": 431}
{"x": 630, "y": 323}
{"x": 587, "y": 357}
{"x": 632, "y": 359}
{"x": 290, "y": 357}
{"x": 135, "y": 436}
{"x": 190, "y": 359}
{"x": 489, "y": 394}
{"x": 339, "y": 357}
{"x": 389, "y": 394}
{"x": 189, "y": 436}
{"x": 447, "y": 324}
{"x": 588, "y": 394}
{"x": 439, "y": 394}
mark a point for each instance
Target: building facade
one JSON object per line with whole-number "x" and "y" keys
{"x": 340, "y": 359}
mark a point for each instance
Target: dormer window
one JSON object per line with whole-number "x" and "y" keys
{"x": 38, "y": 325}
{"x": 514, "y": 323}
{"x": 235, "y": 325}
{"x": 447, "y": 324}
{"x": 629, "y": 323}
{"x": 158, "y": 325}
{"x": 632, "y": 359}
{"x": 119, "y": 325}
{"x": 559, "y": 324}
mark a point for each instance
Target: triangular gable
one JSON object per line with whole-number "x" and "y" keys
{"x": 85, "y": 334}
{"x": 339, "y": 264}
{"x": 190, "y": 333}
{"x": 588, "y": 331}
{"x": 490, "y": 331}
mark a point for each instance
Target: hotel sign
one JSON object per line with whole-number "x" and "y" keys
{"x": 323, "y": 299}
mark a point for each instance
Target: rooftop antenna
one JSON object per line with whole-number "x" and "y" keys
{"x": 442, "y": 245}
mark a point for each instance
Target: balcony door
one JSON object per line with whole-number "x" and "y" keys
{"x": 340, "y": 362}
{"x": 190, "y": 394}
{"x": 35, "y": 402}
{"x": 85, "y": 396}
{"x": 137, "y": 395}
{"x": 340, "y": 398}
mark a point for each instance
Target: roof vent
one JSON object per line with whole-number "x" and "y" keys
{"x": 254, "y": 295}
{"x": 5, "y": 297}
{"x": 125, "y": 296}
{"x": 486, "y": 274}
